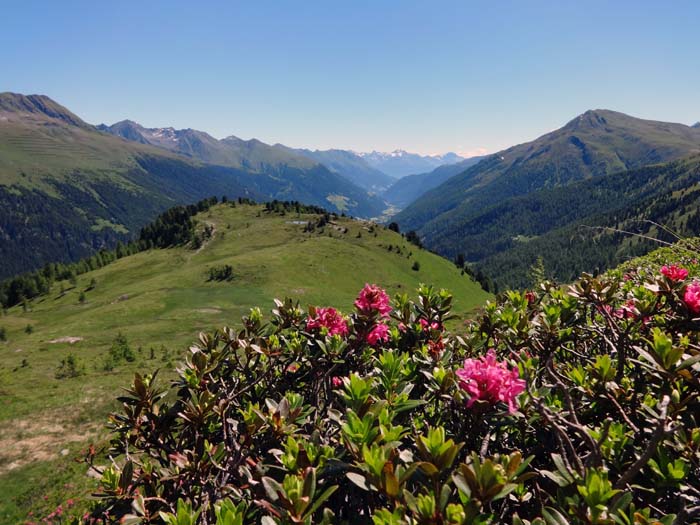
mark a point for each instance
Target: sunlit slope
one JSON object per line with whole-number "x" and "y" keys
{"x": 163, "y": 297}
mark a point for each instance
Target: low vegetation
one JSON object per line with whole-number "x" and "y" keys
{"x": 159, "y": 299}
{"x": 552, "y": 406}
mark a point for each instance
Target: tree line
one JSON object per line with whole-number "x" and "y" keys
{"x": 174, "y": 227}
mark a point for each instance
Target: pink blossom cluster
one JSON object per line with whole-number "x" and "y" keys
{"x": 373, "y": 299}
{"x": 330, "y": 319}
{"x": 487, "y": 379}
{"x": 626, "y": 311}
{"x": 426, "y": 326}
{"x": 674, "y": 272}
{"x": 692, "y": 297}
{"x": 380, "y": 332}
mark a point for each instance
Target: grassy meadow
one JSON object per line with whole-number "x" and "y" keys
{"x": 159, "y": 300}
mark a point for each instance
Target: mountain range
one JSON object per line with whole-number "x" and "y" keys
{"x": 400, "y": 163}
{"x": 482, "y": 211}
{"x": 353, "y": 167}
{"x": 68, "y": 188}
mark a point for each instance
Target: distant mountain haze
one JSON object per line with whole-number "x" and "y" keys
{"x": 333, "y": 190}
{"x": 400, "y": 163}
{"x": 407, "y": 189}
{"x": 351, "y": 166}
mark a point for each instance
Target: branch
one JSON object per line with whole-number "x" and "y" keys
{"x": 657, "y": 436}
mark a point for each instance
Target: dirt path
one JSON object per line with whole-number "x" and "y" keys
{"x": 204, "y": 243}
{"x": 42, "y": 437}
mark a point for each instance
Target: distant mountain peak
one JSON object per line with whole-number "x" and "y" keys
{"x": 39, "y": 106}
{"x": 399, "y": 162}
{"x": 696, "y": 125}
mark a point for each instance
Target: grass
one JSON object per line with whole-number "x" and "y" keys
{"x": 160, "y": 300}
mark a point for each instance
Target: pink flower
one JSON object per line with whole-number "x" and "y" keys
{"x": 692, "y": 297}
{"x": 429, "y": 326}
{"x": 674, "y": 273}
{"x": 379, "y": 333}
{"x": 488, "y": 380}
{"x": 373, "y": 299}
{"x": 330, "y": 319}
{"x": 530, "y": 297}
{"x": 336, "y": 381}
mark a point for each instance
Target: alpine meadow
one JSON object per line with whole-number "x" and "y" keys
{"x": 392, "y": 263}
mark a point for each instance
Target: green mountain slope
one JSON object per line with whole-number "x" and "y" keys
{"x": 593, "y": 144}
{"x": 164, "y": 297}
{"x": 407, "y": 189}
{"x": 67, "y": 189}
{"x": 581, "y": 227}
{"x": 284, "y": 173}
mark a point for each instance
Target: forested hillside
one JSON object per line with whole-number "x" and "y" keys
{"x": 565, "y": 225}
{"x": 67, "y": 189}
{"x": 593, "y": 144}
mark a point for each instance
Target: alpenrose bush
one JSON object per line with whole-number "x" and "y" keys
{"x": 547, "y": 408}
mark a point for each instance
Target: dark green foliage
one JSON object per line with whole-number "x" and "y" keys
{"x": 69, "y": 367}
{"x": 3, "y": 333}
{"x": 393, "y": 226}
{"x": 171, "y": 228}
{"x": 119, "y": 352}
{"x": 573, "y": 227}
{"x": 414, "y": 239}
{"x": 416, "y": 266}
{"x": 174, "y": 227}
{"x": 277, "y": 423}
{"x": 43, "y": 228}
{"x": 29, "y": 329}
{"x": 82, "y": 298}
{"x": 220, "y": 273}
{"x": 282, "y": 207}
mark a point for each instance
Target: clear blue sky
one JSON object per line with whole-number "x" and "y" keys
{"x": 424, "y": 76}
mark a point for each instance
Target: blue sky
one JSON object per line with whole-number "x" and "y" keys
{"x": 427, "y": 76}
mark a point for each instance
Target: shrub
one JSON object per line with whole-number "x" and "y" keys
{"x": 120, "y": 351}
{"x": 71, "y": 366}
{"x": 3, "y": 333}
{"x": 551, "y": 407}
{"x": 416, "y": 266}
{"x": 29, "y": 329}
{"x": 220, "y": 273}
